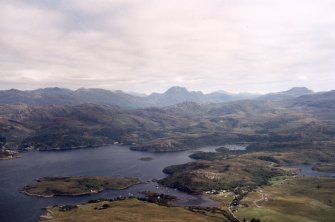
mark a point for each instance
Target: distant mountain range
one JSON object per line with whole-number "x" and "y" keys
{"x": 55, "y": 118}
{"x": 291, "y": 93}
{"x": 173, "y": 96}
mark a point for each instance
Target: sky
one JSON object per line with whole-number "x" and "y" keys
{"x": 150, "y": 45}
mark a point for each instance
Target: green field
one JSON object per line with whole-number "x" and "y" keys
{"x": 296, "y": 199}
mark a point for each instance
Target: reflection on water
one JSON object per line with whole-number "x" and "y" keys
{"x": 105, "y": 161}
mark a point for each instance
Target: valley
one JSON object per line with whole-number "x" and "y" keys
{"x": 235, "y": 156}
{"x": 167, "y": 111}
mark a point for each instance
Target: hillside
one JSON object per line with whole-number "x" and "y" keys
{"x": 295, "y": 121}
{"x": 118, "y": 210}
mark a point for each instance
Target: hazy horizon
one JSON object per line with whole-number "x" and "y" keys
{"x": 149, "y": 45}
{"x": 164, "y": 90}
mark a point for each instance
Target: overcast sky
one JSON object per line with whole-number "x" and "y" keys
{"x": 150, "y": 45}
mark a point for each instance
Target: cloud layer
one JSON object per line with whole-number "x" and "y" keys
{"x": 149, "y": 45}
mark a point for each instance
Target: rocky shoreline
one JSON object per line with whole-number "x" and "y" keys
{"x": 8, "y": 154}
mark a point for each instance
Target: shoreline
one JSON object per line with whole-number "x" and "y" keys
{"x": 10, "y": 158}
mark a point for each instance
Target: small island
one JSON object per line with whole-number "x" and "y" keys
{"x": 146, "y": 158}
{"x": 77, "y": 185}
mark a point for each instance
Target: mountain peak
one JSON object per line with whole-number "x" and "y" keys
{"x": 52, "y": 90}
{"x": 176, "y": 89}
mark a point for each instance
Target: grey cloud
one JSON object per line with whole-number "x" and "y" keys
{"x": 149, "y": 45}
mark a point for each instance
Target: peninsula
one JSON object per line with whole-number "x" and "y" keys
{"x": 76, "y": 185}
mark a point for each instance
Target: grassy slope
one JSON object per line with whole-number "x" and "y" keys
{"x": 293, "y": 199}
{"x": 132, "y": 210}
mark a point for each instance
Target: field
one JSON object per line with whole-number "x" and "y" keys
{"x": 129, "y": 210}
{"x": 291, "y": 199}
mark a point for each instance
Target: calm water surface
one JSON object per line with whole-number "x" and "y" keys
{"x": 105, "y": 161}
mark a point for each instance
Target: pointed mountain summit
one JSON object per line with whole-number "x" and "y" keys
{"x": 177, "y": 94}
{"x": 176, "y": 90}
